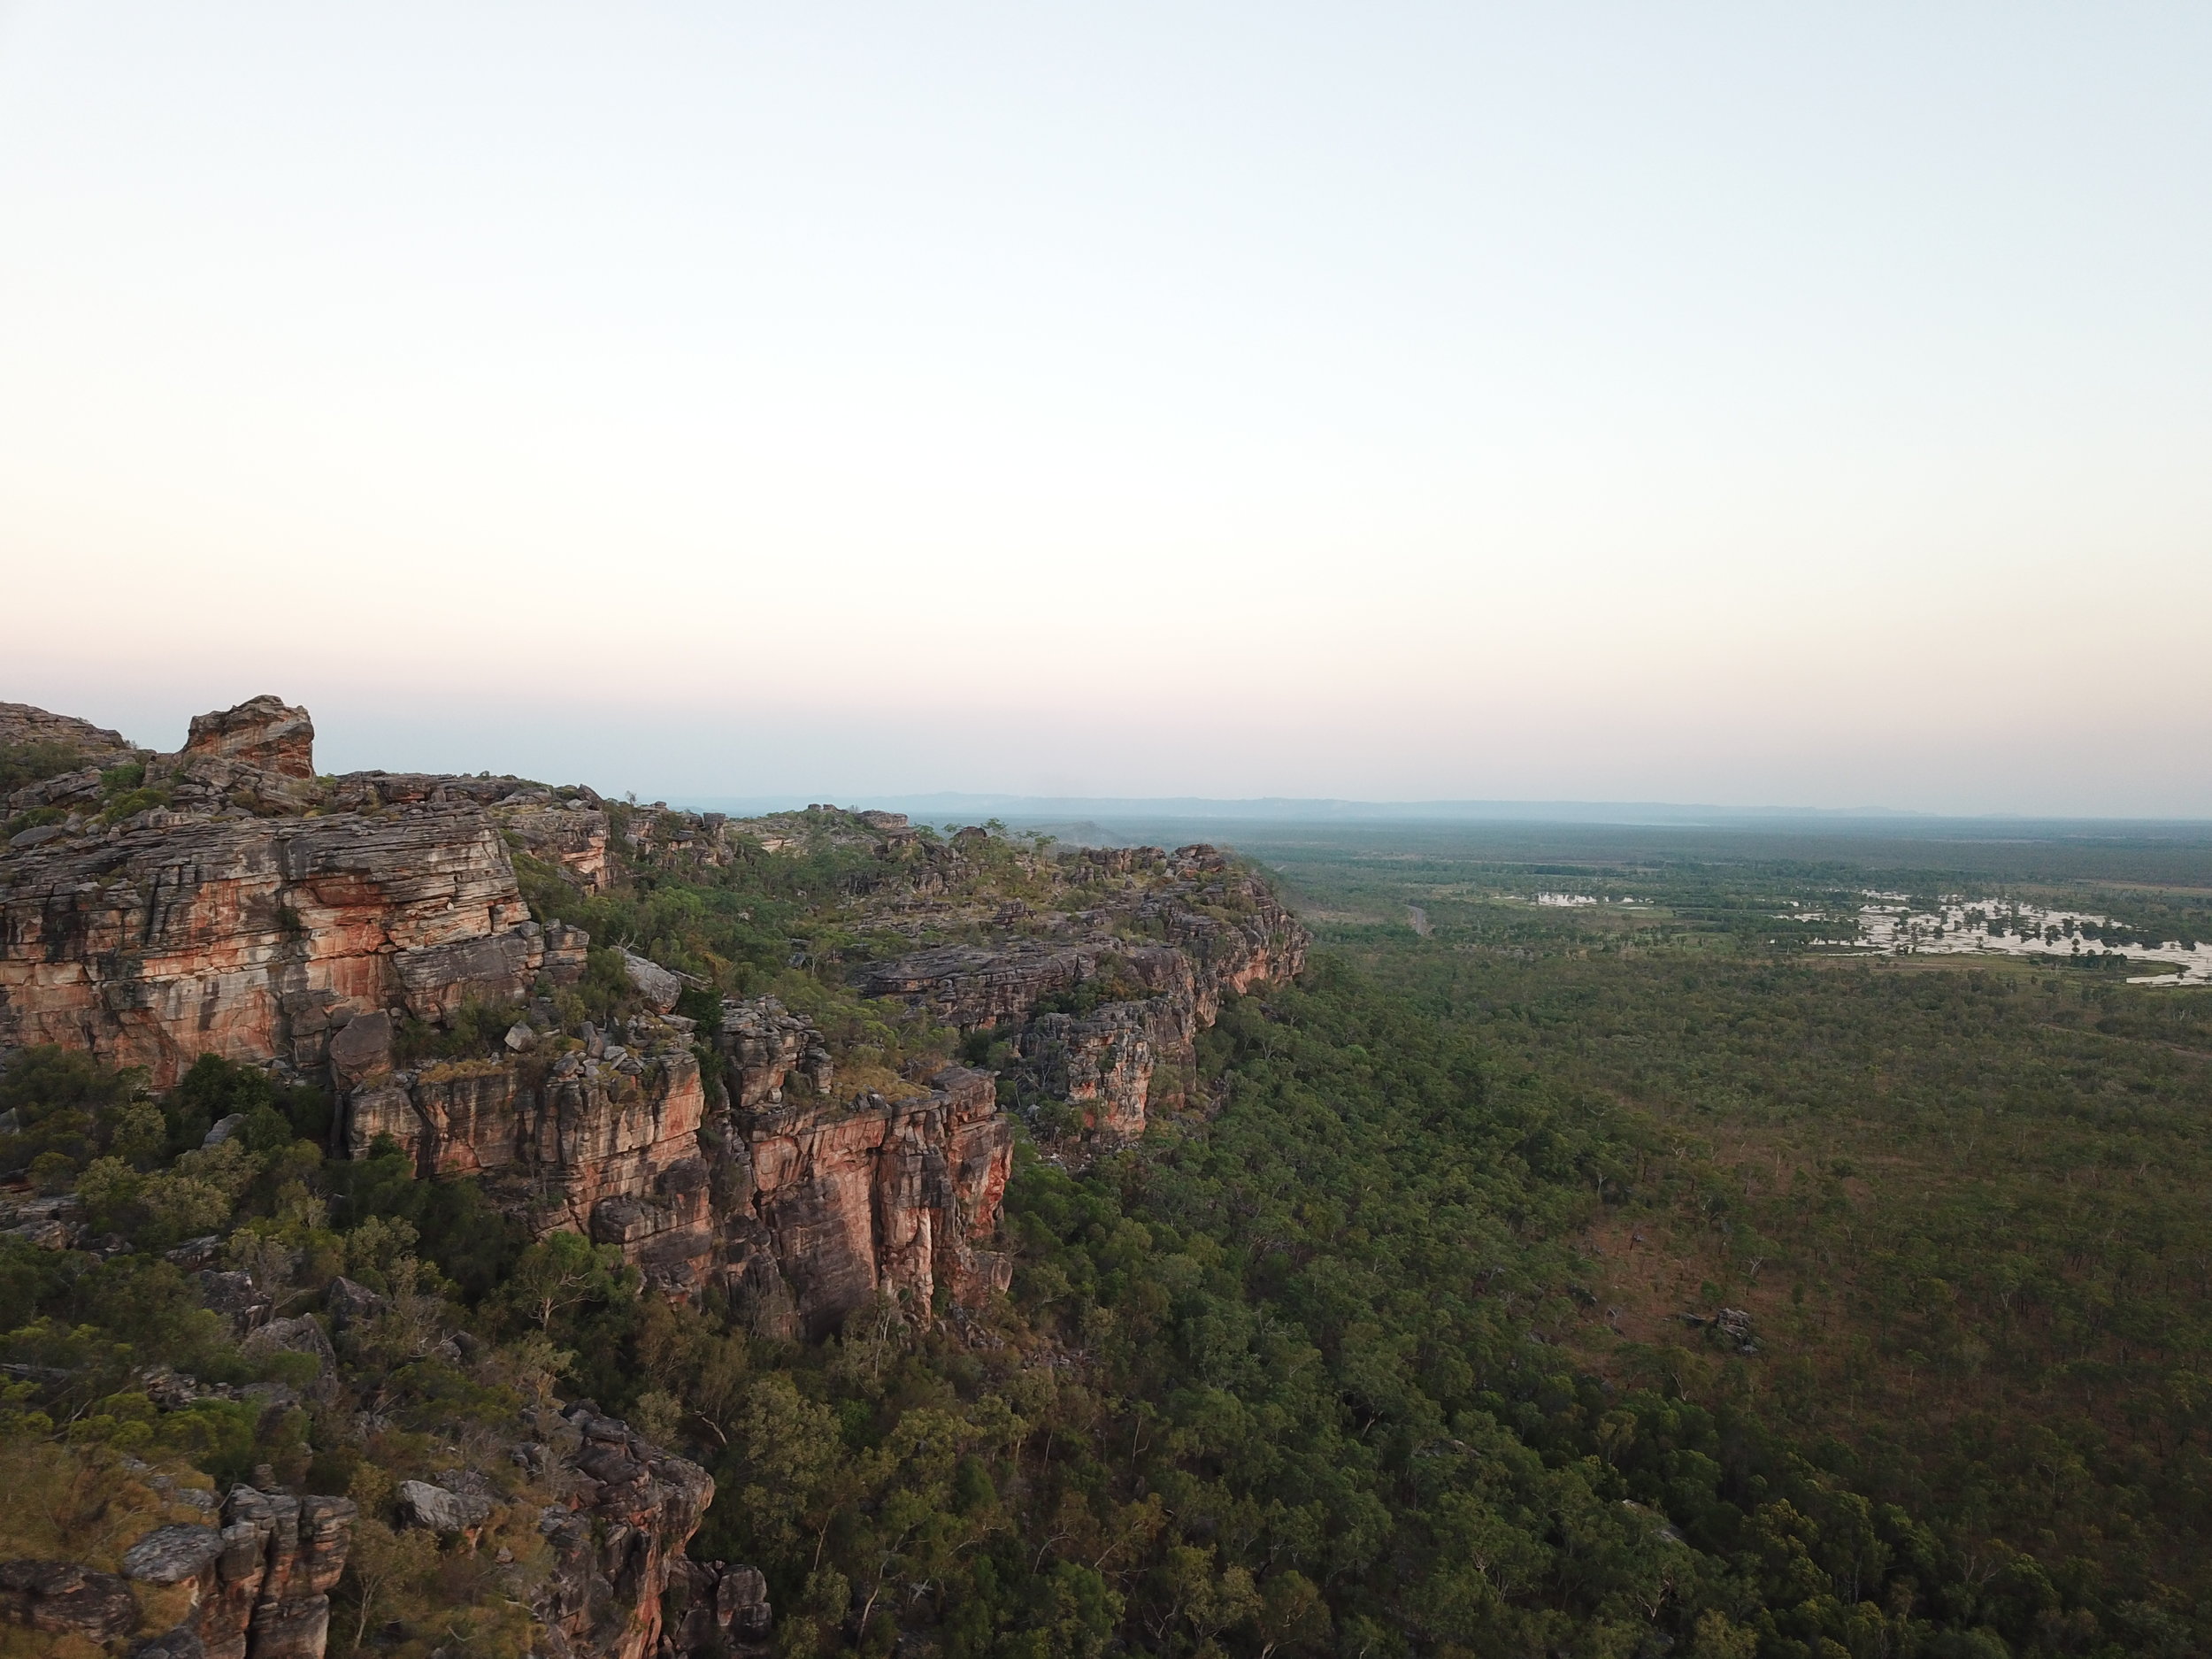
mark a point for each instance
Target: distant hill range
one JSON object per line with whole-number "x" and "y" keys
{"x": 1032, "y": 809}
{"x": 1111, "y": 818}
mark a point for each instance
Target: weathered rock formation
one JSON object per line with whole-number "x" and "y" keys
{"x": 762, "y": 1043}
{"x": 62, "y": 1597}
{"x": 226, "y": 900}
{"x": 592, "y": 1136}
{"x": 260, "y": 1583}
{"x": 713, "y": 1608}
{"x": 23, "y": 726}
{"x": 805, "y": 1208}
{"x": 262, "y": 733}
{"x": 197, "y": 927}
{"x": 826, "y": 1210}
{"x": 256, "y": 939}
{"x": 572, "y": 836}
{"x": 268, "y": 915}
{"x": 620, "y": 1542}
{"x": 1171, "y": 956}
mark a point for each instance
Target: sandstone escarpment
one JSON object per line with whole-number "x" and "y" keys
{"x": 826, "y": 1210}
{"x": 803, "y": 1207}
{"x": 589, "y": 1135}
{"x": 161, "y": 940}
{"x": 1172, "y": 952}
{"x": 256, "y": 912}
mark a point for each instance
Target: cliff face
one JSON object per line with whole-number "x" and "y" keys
{"x": 827, "y": 1209}
{"x": 254, "y": 1581}
{"x": 1182, "y": 944}
{"x": 259, "y": 912}
{"x": 620, "y": 1544}
{"x": 170, "y": 936}
{"x": 258, "y": 1584}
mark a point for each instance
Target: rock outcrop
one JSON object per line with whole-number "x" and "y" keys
{"x": 177, "y": 933}
{"x": 803, "y": 1209}
{"x": 264, "y": 733}
{"x": 597, "y": 1137}
{"x": 260, "y": 1583}
{"x": 826, "y": 1210}
{"x": 61, "y": 1598}
{"x": 21, "y": 725}
{"x": 715, "y": 1608}
{"x": 258, "y": 940}
{"x": 1170, "y": 956}
{"x": 572, "y": 836}
{"x": 620, "y": 1541}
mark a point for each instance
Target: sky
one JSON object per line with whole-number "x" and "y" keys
{"x": 1794, "y": 405}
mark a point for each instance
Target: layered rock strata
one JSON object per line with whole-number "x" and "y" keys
{"x": 21, "y": 725}
{"x": 244, "y": 916}
{"x": 805, "y": 1210}
{"x": 260, "y": 1583}
{"x": 270, "y": 916}
{"x": 572, "y": 836}
{"x": 824, "y": 1211}
{"x": 157, "y": 942}
{"x": 1210, "y": 931}
{"x": 596, "y": 1137}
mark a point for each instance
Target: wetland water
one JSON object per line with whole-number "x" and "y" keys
{"x": 1964, "y": 926}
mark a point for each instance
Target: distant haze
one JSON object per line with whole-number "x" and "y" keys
{"x": 1765, "y": 406}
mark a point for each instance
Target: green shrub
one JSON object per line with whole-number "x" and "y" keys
{"x": 215, "y": 1088}
{"x": 25, "y": 764}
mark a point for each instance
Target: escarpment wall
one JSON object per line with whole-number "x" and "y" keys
{"x": 1210, "y": 931}
{"x": 804, "y": 1206}
{"x": 828, "y": 1209}
{"x": 258, "y": 912}
{"x": 154, "y": 943}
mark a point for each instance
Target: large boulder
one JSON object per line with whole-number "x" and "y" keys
{"x": 265, "y": 732}
{"x": 362, "y": 1048}
{"x": 438, "y": 1510}
{"x": 656, "y": 984}
{"x": 349, "y": 1304}
{"x": 236, "y": 1297}
{"x": 301, "y": 1335}
{"x": 170, "y": 1554}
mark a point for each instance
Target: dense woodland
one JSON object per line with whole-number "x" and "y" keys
{"x": 1405, "y": 1339}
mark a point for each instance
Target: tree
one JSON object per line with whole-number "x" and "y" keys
{"x": 564, "y": 1271}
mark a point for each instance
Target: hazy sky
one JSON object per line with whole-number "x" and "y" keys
{"x": 1743, "y": 404}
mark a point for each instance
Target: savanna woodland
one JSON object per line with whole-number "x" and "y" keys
{"x": 1595, "y": 1251}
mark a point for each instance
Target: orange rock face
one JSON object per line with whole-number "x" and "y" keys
{"x": 255, "y": 938}
{"x": 264, "y": 733}
{"x": 893, "y": 1196}
{"x": 605, "y": 1144}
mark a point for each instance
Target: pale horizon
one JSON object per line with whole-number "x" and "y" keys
{"x": 1415, "y": 404}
